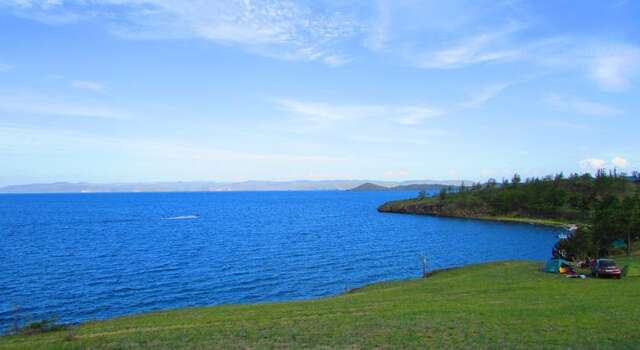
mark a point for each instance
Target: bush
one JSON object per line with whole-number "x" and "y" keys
{"x": 38, "y": 327}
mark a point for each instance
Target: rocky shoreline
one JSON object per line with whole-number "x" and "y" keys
{"x": 426, "y": 207}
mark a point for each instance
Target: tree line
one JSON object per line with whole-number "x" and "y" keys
{"x": 607, "y": 205}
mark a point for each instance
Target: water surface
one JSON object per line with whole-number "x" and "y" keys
{"x": 80, "y": 257}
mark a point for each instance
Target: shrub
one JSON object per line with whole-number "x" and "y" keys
{"x": 38, "y": 327}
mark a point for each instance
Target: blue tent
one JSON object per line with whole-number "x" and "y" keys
{"x": 619, "y": 244}
{"x": 557, "y": 265}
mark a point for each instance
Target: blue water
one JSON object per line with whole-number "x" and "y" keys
{"x": 80, "y": 257}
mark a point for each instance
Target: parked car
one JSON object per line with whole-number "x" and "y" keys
{"x": 605, "y": 268}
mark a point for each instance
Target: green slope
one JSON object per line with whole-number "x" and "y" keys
{"x": 500, "y": 305}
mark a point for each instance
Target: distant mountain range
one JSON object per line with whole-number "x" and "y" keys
{"x": 368, "y": 187}
{"x": 207, "y": 186}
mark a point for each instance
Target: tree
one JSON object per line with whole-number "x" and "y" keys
{"x": 632, "y": 214}
{"x": 608, "y": 223}
{"x": 516, "y": 180}
{"x": 422, "y": 194}
{"x": 579, "y": 245}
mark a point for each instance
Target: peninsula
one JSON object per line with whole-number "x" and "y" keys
{"x": 606, "y": 206}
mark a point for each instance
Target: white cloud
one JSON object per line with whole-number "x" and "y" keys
{"x": 410, "y": 115}
{"x": 614, "y": 68}
{"x": 87, "y": 85}
{"x": 581, "y": 106}
{"x": 323, "y": 112}
{"x": 336, "y": 60}
{"x": 592, "y": 163}
{"x": 282, "y": 29}
{"x": 596, "y": 163}
{"x": 460, "y": 33}
{"x": 5, "y": 67}
{"x": 619, "y": 162}
{"x": 58, "y": 107}
{"x": 485, "y": 94}
{"x": 379, "y": 28}
{"x": 483, "y": 47}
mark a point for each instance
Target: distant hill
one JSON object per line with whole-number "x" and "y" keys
{"x": 210, "y": 186}
{"x": 369, "y": 187}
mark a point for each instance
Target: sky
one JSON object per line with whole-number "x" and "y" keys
{"x": 177, "y": 90}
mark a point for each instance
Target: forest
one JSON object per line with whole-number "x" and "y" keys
{"x": 606, "y": 206}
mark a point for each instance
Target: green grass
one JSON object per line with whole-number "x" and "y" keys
{"x": 499, "y": 305}
{"x": 533, "y": 221}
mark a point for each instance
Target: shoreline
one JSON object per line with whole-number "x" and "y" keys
{"x": 504, "y": 219}
{"x": 374, "y": 285}
{"x": 434, "y": 312}
{"x": 547, "y": 223}
{"x": 72, "y": 325}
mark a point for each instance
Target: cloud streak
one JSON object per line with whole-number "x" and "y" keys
{"x": 581, "y": 106}
{"x": 485, "y": 94}
{"x": 87, "y": 85}
{"x": 485, "y": 47}
{"x": 282, "y": 29}
{"x": 58, "y": 107}
{"x": 61, "y": 141}
{"x": 324, "y": 112}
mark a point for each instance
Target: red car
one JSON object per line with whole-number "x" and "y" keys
{"x": 605, "y": 268}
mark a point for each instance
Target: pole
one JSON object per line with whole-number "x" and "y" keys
{"x": 424, "y": 265}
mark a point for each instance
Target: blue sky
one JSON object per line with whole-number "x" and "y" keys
{"x": 155, "y": 90}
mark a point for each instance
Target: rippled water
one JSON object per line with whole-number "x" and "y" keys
{"x": 92, "y": 256}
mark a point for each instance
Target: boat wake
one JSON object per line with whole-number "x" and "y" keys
{"x": 183, "y": 217}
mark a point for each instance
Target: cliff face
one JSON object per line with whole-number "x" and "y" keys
{"x": 412, "y": 187}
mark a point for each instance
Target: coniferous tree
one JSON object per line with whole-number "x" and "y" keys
{"x": 608, "y": 223}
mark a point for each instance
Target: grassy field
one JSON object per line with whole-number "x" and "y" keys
{"x": 499, "y": 305}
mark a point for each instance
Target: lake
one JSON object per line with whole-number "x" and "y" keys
{"x": 79, "y": 257}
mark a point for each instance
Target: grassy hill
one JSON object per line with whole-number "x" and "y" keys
{"x": 499, "y": 305}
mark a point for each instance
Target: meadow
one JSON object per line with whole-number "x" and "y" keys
{"x": 496, "y": 305}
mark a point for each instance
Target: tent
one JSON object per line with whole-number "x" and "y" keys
{"x": 619, "y": 244}
{"x": 558, "y": 266}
